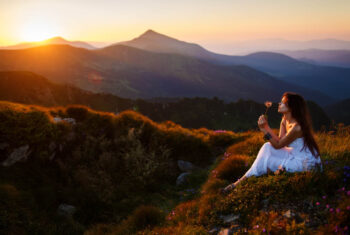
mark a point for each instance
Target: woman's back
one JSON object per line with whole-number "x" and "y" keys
{"x": 300, "y": 159}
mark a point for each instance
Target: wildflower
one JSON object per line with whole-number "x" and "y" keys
{"x": 268, "y": 104}
{"x": 317, "y": 203}
{"x": 264, "y": 230}
{"x": 331, "y": 210}
{"x": 343, "y": 189}
{"x": 324, "y": 197}
{"x": 348, "y": 193}
{"x": 219, "y": 131}
{"x": 348, "y": 208}
{"x": 337, "y": 210}
{"x": 346, "y": 228}
{"x": 327, "y": 206}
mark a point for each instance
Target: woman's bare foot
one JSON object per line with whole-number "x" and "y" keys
{"x": 231, "y": 186}
{"x": 228, "y": 188}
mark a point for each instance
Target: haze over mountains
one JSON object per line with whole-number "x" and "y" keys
{"x": 278, "y": 65}
{"x": 277, "y": 45}
{"x": 54, "y": 40}
{"x": 339, "y": 58}
{"x": 155, "y": 65}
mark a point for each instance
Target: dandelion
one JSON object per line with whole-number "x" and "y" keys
{"x": 268, "y": 104}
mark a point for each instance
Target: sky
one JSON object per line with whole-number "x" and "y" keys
{"x": 211, "y": 23}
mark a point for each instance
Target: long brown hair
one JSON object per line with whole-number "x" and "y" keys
{"x": 301, "y": 114}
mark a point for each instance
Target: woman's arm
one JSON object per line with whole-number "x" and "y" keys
{"x": 272, "y": 133}
{"x": 286, "y": 139}
{"x": 283, "y": 129}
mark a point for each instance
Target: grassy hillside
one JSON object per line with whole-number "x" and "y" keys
{"x": 119, "y": 173}
{"x": 312, "y": 202}
{"x": 104, "y": 165}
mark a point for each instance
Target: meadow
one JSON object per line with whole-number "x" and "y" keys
{"x": 119, "y": 172}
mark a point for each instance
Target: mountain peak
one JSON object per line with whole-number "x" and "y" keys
{"x": 150, "y": 32}
{"x": 153, "y": 34}
{"x": 57, "y": 39}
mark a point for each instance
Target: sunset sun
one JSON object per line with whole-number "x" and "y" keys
{"x": 37, "y": 31}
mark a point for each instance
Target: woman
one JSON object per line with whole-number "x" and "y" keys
{"x": 295, "y": 149}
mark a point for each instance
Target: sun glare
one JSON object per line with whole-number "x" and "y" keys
{"x": 38, "y": 31}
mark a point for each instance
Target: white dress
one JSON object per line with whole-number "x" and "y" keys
{"x": 291, "y": 157}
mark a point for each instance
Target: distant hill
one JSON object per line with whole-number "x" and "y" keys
{"x": 188, "y": 112}
{"x": 339, "y": 58}
{"x": 339, "y": 111}
{"x": 332, "y": 81}
{"x": 277, "y": 44}
{"x": 50, "y": 41}
{"x": 133, "y": 73}
{"x": 156, "y": 42}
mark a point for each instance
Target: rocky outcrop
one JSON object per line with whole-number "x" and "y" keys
{"x": 66, "y": 210}
{"x": 19, "y": 154}
{"x": 69, "y": 120}
{"x": 182, "y": 178}
{"x": 186, "y": 166}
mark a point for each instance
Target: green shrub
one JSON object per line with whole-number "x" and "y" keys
{"x": 232, "y": 167}
{"x": 146, "y": 216}
{"x": 78, "y": 112}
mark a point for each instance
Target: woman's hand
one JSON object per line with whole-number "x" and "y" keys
{"x": 262, "y": 123}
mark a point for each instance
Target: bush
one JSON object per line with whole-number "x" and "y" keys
{"x": 222, "y": 139}
{"x": 232, "y": 167}
{"x": 146, "y": 216}
{"x": 77, "y": 112}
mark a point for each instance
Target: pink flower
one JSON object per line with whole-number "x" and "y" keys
{"x": 337, "y": 210}
{"x": 331, "y": 210}
{"x": 343, "y": 189}
{"x": 348, "y": 208}
{"x": 268, "y": 104}
{"x": 324, "y": 197}
{"x": 317, "y": 203}
{"x": 264, "y": 230}
{"x": 327, "y": 206}
{"x": 348, "y": 193}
